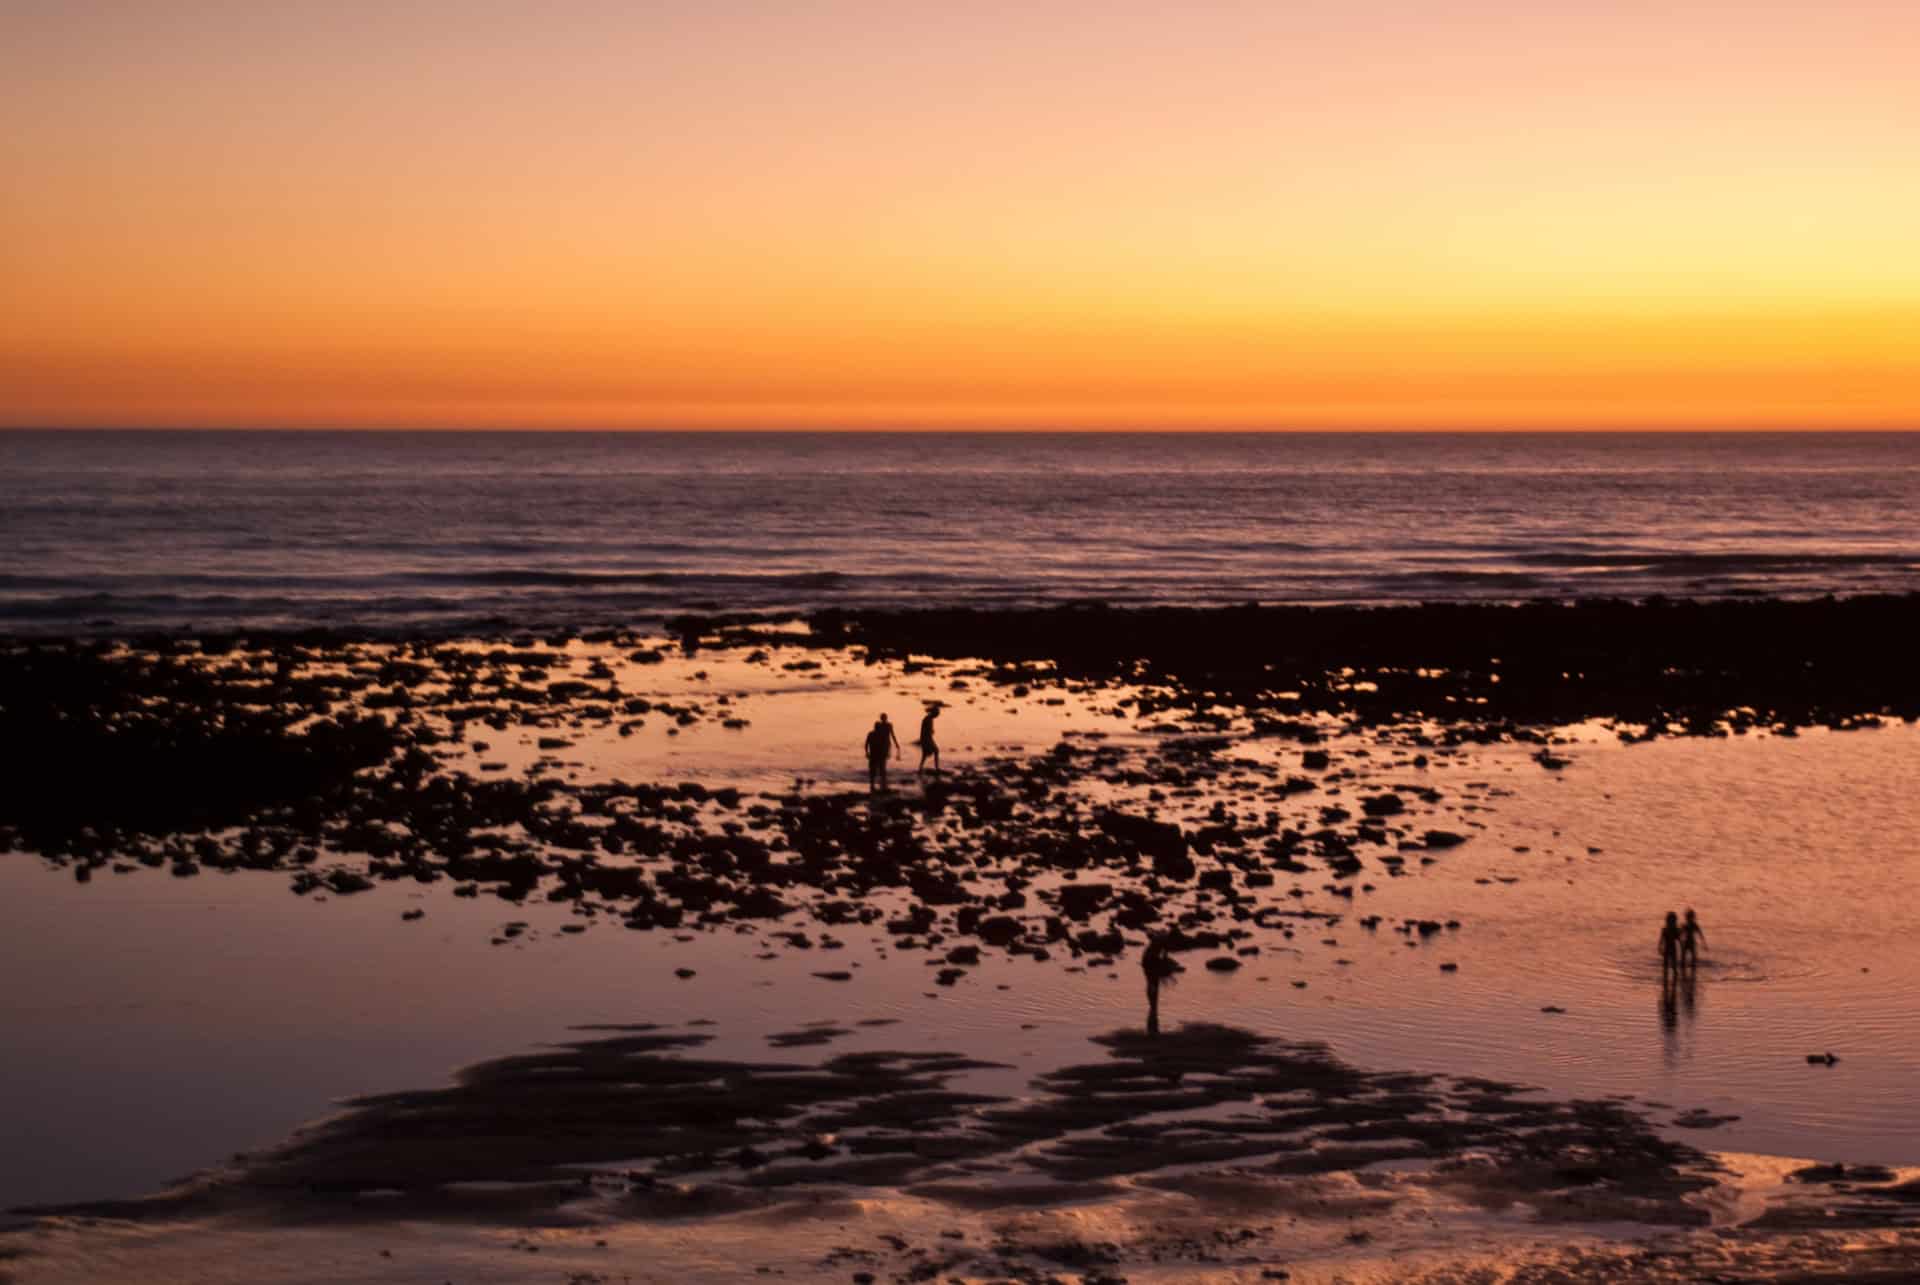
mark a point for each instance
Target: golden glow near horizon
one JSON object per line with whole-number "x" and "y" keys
{"x": 884, "y": 213}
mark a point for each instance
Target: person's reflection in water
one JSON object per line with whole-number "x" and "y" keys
{"x": 1678, "y": 1009}
{"x": 1157, "y": 963}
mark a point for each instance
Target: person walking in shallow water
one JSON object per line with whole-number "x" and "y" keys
{"x": 1670, "y": 945}
{"x": 881, "y": 744}
{"x": 1692, "y": 937}
{"x": 926, "y": 739}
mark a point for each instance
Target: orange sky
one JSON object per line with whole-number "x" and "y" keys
{"x": 887, "y": 213}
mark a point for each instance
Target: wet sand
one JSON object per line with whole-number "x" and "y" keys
{"x": 687, "y": 787}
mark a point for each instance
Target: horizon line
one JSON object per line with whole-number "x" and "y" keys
{"x": 984, "y": 430}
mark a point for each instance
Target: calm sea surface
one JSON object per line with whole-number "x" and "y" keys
{"x": 145, "y": 529}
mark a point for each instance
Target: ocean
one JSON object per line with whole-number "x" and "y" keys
{"x": 102, "y": 532}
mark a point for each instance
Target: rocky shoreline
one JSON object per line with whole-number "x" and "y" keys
{"x": 1699, "y": 667}
{"x": 1255, "y": 778}
{"x": 350, "y": 763}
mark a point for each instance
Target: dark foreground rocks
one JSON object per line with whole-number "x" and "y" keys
{"x": 1206, "y": 1153}
{"x": 637, "y": 1117}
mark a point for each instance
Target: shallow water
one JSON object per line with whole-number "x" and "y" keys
{"x": 164, "y": 1023}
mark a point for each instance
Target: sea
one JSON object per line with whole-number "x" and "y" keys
{"x": 112, "y": 531}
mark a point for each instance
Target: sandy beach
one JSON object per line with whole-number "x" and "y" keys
{"x": 709, "y": 981}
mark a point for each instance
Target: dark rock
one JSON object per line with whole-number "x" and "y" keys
{"x": 1842, "y": 1173}
{"x": 1080, "y": 900}
{"x": 1001, "y": 930}
{"x": 1162, "y": 842}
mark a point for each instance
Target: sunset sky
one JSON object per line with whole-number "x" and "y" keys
{"x": 887, "y": 213}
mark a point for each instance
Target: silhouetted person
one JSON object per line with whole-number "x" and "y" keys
{"x": 1157, "y": 963}
{"x": 1692, "y": 937}
{"x": 1670, "y": 945}
{"x": 881, "y": 743}
{"x": 926, "y": 740}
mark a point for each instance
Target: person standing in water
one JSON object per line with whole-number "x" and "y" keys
{"x": 926, "y": 739}
{"x": 1692, "y": 937}
{"x": 1158, "y": 965}
{"x": 881, "y": 744}
{"x": 1670, "y": 944}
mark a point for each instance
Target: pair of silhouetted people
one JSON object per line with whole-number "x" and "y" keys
{"x": 1679, "y": 966}
{"x": 1680, "y": 944}
{"x": 882, "y": 745}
